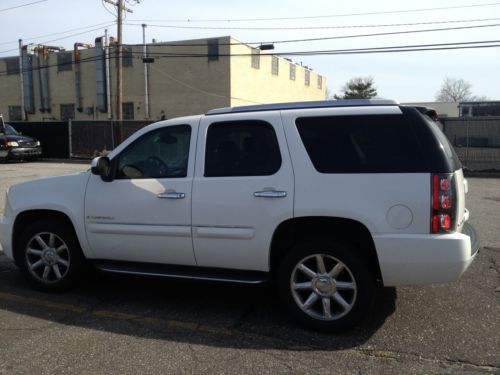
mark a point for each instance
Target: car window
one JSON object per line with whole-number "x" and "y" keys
{"x": 162, "y": 153}
{"x": 361, "y": 144}
{"x": 241, "y": 148}
{"x": 9, "y": 130}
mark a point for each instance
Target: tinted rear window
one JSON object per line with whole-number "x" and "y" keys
{"x": 361, "y": 144}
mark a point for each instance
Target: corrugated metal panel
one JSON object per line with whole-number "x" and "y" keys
{"x": 100, "y": 77}
{"x": 29, "y": 102}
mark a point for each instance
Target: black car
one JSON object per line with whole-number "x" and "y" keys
{"x": 14, "y": 145}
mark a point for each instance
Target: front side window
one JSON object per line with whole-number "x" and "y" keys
{"x": 241, "y": 148}
{"x": 161, "y": 153}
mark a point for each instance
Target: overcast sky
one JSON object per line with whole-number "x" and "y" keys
{"x": 408, "y": 76}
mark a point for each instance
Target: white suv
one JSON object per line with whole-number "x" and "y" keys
{"x": 326, "y": 199}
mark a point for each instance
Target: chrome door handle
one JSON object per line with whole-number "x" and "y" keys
{"x": 270, "y": 194}
{"x": 171, "y": 195}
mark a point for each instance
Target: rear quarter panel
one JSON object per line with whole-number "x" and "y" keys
{"x": 374, "y": 199}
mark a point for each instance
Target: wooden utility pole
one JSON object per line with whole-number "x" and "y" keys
{"x": 119, "y": 54}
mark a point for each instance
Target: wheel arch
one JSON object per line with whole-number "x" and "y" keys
{"x": 344, "y": 230}
{"x": 25, "y": 218}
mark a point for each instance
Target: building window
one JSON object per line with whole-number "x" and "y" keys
{"x": 256, "y": 58}
{"x": 64, "y": 61}
{"x": 15, "y": 113}
{"x": 213, "y": 49}
{"x": 292, "y": 71}
{"x": 307, "y": 77}
{"x": 320, "y": 82}
{"x": 67, "y": 111}
{"x": 12, "y": 64}
{"x": 275, "y": 66}
{"x": 128, "y": 111}
{"x": 127, "y": 57}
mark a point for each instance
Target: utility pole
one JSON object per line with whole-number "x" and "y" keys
{"x": 145, "y": 56}
{"x": 119, "y": 53}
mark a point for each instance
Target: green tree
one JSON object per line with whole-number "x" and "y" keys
{"x": 358, "y": 88}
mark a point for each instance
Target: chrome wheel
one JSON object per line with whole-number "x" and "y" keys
{"x": 323, "y": 287}
{"x": 47, "y": 257}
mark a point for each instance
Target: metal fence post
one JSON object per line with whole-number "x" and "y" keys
{"x": 70, "y": 138}
{"x": 467, "y": 143}
{"x": 112, "y": 135}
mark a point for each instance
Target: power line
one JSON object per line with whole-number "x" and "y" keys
{"x": 162, "y": 44}
{"x": 324, "y": 16}
{"x": 414, "y": 47}
{"x": 106, "y": 8}
{"x": 385, "y": 49}
{"x": 23, "y": 5}
{"x": 318, "y": 27}
{"x": 103, "y": 24}
{"x": 175, "y": 44}
{"x": 64, "y": 37}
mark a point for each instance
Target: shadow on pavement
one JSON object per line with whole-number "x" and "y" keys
{"x": 193, "y": 312}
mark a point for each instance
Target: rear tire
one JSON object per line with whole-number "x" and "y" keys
{"x": 326, "y": 285}
{"x": 49, "y": 256}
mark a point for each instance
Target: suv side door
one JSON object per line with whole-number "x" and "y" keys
{"x": 144, "y": 213}
{"x": 243, "y": 189}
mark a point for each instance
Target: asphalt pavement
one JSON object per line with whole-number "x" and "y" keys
{"x": 131, "y": 325}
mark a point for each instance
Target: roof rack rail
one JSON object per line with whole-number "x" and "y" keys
{"x": 304, "y": 105}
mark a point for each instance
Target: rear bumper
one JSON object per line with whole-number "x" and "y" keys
{"x": 425, "y": 259}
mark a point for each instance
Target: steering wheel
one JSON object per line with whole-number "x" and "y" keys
{"x": 155, "y": 167}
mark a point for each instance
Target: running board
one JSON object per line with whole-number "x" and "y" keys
{"x": 182, "y": 272}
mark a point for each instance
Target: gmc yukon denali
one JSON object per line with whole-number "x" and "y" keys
{"x": 326, "y": 200}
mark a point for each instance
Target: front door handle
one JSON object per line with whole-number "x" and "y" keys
{"x": 270, "y": 194}
{"x": 171, "y": 195}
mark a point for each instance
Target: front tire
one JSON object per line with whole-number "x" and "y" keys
{"x": 50, "y": 256}
{"x": 326, "y": 285}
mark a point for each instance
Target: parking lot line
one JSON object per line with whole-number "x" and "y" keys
{"x": 108, "y": 314}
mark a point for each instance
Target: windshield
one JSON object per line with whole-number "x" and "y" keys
{"x": 10, "y": 130}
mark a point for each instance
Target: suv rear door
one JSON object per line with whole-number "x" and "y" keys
{"x": 242, "y": 190}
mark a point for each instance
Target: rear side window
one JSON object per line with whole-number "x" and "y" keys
{"x": 361, "y": 144}
{"x": 241, "y": 148}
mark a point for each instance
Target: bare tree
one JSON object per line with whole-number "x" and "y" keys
{"x": 454, "y": 90}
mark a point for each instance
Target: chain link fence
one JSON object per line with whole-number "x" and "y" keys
{"x": 476, "y": 141}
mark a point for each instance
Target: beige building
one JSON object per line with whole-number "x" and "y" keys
{"x": 186, "y": 78}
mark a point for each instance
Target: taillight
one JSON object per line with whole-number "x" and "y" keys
{"x": 444, "y": 204}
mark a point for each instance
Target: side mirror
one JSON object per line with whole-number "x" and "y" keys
{"x": 101, "y": 166}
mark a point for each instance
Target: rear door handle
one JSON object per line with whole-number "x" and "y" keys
{"x": 270, "y": 194}
{"x": 171, "y": 195}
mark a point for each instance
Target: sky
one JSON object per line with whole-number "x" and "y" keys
{"x": 402, "y": 76}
